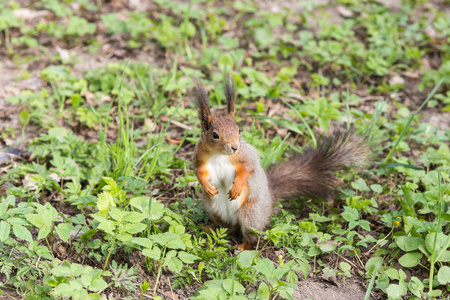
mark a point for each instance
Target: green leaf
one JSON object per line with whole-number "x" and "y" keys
{"x": 392, "y": 273}
{"x": 117, "y": 214}
{"x": 245, "y": 258}
{"x": 139, "y": 202}
{"x": 264, "y": 37}
{"x": 345, "y": 266}
{"x": 44, "y": 252}
{"x": 144, "y": 242}
{"x": 188, "y": 29}
{"x": 410, "y": 260}
{"x": 18, "y": 221}
{"x": 133, "y": 217}
{"x": 169, "y": 239}
{"x": 36, "y": 220}
{"x": 407, "y": 203}
{"x": 174, "y": 264}
{"x": 323, "y": 123}
{"x": 444, "y": 257}
{"x": 441, "y": 241}
{"x": 360, "y": 185}
{"x": 435, "y": 293}
{"x": 63, "y": 231}
{"x": 350, "y": 214}
{"x": 43, "y": 232}
{"x": 187, "y": 258}
{"x": 265, "y": 267}
{"x": 107, "y": 226}
{"x": 22, "y": 233}
{"x": 105, "y": 200}
{"x": 263, "y": 291}
{"x": 73, "y": 289}
{"x": 64, "y": 289}
{"x": 327, "y": 247}
{"x": 154, "y": 253}
{"x": 85, "y": 237}
{"x": 225, "y": 61}
{"x": 373, "y": 264}
{"x": 416, "y": 286}
{"x": 376, "y": 188}
{"x": 409, "y": 243}
{"x": 124, "y": 237}
{"x": 23, "y": 270}
{"x": 71, "y": 270}
{"x": 133, "y": 228}
{"x": 95, "y": 281}
{"x": 93, "y": 296}
{"x": 443, "y": 275}
{"x": 3, "y": 208}
{"x": 232, "y": 286}
{"x": 5, "y": 229}
{"x": 24, "y": 117}
{"x": 396, "y": 291}
{"x": 153, "y": 209}
{"x": 364, "y": 224}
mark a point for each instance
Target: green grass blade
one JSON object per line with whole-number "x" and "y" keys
{"x": 308, "y": 128}
{"x": 371, "y": 283}
{"x": 402, "y": 134}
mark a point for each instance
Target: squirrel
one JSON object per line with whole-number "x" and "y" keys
{"x": 237, "y": 192}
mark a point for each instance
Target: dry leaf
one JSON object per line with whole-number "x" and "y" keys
{"x": 173, "y": 141}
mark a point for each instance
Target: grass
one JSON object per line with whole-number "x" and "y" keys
{"x": 107, "y": 201}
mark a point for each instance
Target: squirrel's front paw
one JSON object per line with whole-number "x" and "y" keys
{"x": 234, "y": 192}
{"x": 211, "y": 190}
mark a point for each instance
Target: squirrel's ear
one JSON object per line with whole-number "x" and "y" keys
{"x": 202, "y": 102}
{"x": 230, "y": 94}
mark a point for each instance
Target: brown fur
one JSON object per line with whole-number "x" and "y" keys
{"x": 202, "y": 102}
{"x": 218, "y": 220}
{"x": 200, "y": 162}
{"x": 243, "y": 172}
{"x": 245, "y": 192}
{"x": 230, "y": 91}
{"x": 312, "y": 173}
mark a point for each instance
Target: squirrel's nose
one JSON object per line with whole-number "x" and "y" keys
{"x": 235, "y": 148}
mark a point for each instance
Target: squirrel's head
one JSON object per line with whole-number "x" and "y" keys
{"x": 220, "y": 133}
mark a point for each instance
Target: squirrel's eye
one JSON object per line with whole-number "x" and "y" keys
{"x": 215, "y": 136}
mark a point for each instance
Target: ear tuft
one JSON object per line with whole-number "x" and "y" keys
{"x": 230, "y": 94}
{"x": 201, "y": 100}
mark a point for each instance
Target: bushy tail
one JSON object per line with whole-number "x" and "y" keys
{"x": 312, "y": 173}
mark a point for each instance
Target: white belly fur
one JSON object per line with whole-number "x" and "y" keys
{"x": 222, "y": 175}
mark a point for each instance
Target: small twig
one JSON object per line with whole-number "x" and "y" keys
{"x": 163, "y": 193}
{"x": 170, "y": 285}
{"x": 276, "y": 295}
{"x": 37, "y": 262}
{"x": 350, "y": 262}
{"x": 12, "y": 155}
{"x": 181, "y": 125}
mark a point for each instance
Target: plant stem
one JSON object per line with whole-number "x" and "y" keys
{"x": 402, "y": 134}
{"x": 109, "y": 254}
{"x": 433, "y": 254}
{"x": 79, "y": 254}
{"x": 159, "y": 272}
{"x": 372, "y": 281}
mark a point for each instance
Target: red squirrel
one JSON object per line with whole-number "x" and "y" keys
{"x": 237, "y": 192}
